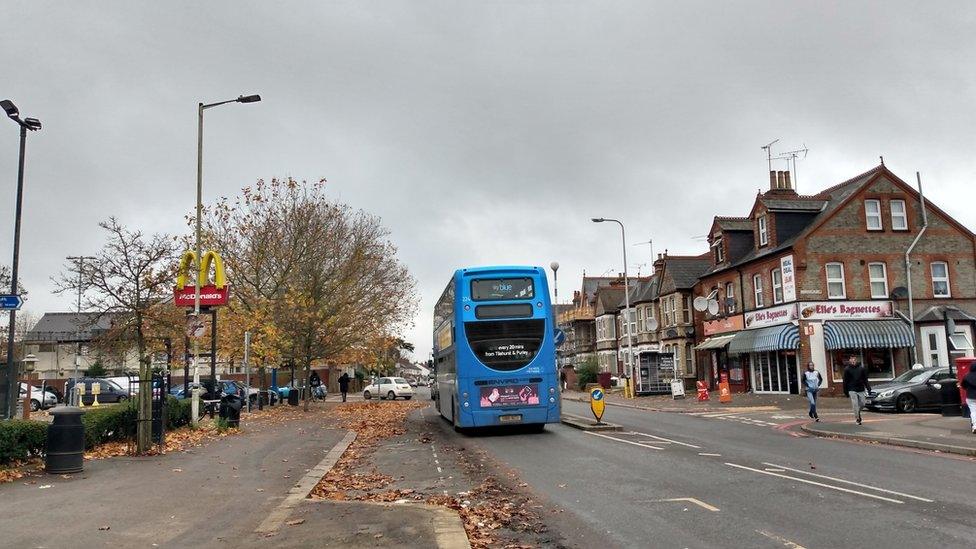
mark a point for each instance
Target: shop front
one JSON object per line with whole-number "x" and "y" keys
{"x": 719, "y": 333}
{"x": 768, "y": 347}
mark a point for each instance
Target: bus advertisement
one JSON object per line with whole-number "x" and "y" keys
{"x": 494, "y": 352}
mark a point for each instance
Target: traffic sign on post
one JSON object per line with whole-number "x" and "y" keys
{"x": 597, "y": 404}
{"x": 559, "y": 337}
{"x": 11, "y": 302}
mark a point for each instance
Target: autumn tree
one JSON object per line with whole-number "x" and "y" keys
{"x": 130, "y": 279}
{"x": 311, "y": 278}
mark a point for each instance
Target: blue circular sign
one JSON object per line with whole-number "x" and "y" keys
{"x": 597, "y": 394}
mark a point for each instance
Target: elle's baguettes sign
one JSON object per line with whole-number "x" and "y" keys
{"x": 845, "y": 310}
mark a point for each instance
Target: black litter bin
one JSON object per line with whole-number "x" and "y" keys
{"x": 230, "y": 410}
{"x": 293, "y": 396}
{"x": 65, "y": 441}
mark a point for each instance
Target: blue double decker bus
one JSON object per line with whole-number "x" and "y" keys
{"x": 494, "y": 353}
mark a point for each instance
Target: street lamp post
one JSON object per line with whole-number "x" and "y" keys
{"x": 195, "y": 403}
{"x": 9, "y": 402}
{"x": 80, "y": 259}
{"x": 555, "y": 301}
{"x": 630, "y": 335}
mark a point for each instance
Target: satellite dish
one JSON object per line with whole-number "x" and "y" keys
{"x": 900, "y": 292}
{"x": 652, "y": 324}
{"x": 700, "y": 303}
{"x": 712, "y": 307}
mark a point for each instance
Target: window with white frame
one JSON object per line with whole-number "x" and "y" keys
{"x": 729, "y": 297}
{"x": 777, "y": 277}
{"x": 632, "y": 317}
{"x": 719, "y": 253}
{"x": 878, "y": 273}
{"x": 940, "y": 279}
{"x": 899, "y": 217}
{"x": 757, "y": 288}
{"x": 641, "y": 324}
{"x": 666, "y": 311}
{"x": 763, "y": 233}
{"x": 836, "y": 289}
{"x": 872, "y": 214}
{"x": 686, "y": 300}
{"x": 689, "y": 360}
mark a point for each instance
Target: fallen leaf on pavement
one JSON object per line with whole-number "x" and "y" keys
{"x": 295, "y": 522}
{"x": 106, "y": 527}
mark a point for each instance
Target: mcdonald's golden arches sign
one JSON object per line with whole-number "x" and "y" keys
{"x": 212, "y": 294}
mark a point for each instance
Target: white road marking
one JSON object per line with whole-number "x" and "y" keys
{"x": 624, "y": 441}
{"x": 697, "y": 502}
{"x": 838, "y": 488}
{"x": 439, "y": 470}
{"x": 784, "y": 541}
{"x": 709, "y": 455}
{"x": 666, "y": 440}
{"x": 868, "y": 486}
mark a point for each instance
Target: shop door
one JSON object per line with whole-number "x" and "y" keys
{"x": 770, "y": 373}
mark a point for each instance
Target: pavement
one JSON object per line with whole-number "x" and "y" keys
{"x": 691, "y": 404}
{"x": 925, "y": 431}
{"x": 245, "y": 490}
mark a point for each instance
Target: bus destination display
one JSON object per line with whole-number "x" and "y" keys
{"x": 501, "y": 289}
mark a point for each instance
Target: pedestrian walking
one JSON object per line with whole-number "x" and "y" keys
{"x": 562, "y": 378}
{"x": 344, "y": 385}
{"x": 969, "y": 384}
{"x": 856, "y": 385}
{"x": 812, "y": 380}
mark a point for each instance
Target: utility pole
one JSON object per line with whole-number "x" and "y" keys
{"x": 80, "y": 260}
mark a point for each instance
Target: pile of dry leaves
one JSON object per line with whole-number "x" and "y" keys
{"x": 372, "y": 422}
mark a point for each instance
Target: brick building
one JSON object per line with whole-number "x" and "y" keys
{"x": 823, "y": 277}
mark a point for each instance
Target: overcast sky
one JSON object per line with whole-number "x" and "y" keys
{"x": 482, "y": 133}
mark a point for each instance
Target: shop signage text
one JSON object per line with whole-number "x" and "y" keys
{"x": 789, "y": 278}
{"x": 771, "y": 316}
{"x": 845, "y": 310}
{"x": 722, "y": 325}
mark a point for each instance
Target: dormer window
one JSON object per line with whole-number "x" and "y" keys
{"x": 717, "y": 251}
{"x": 763, "y": 232}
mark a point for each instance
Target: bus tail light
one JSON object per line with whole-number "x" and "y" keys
{"x": 467, "y": 404}
{"x": 464, "y": 396}
{"x": 552, "y": 399}
{"x": 552, "y": 390}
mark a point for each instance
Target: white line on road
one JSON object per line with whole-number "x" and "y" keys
{"x": 709, "y": 455}
{"x": 697, "y": 502}
{"x": 784, "y": 541}
{"x": 666, "y": 439}
{"x": 868, "y": 486}
{"x": 838, "y": 488}
{"x": 625, "y": 441}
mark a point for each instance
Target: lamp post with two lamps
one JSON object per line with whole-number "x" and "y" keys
{"x": 8, "y": 404}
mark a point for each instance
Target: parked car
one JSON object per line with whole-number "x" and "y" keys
{"x": 129, "y": 384}
{"x": 109, "y": 391}
{"x": 252, "y": 394}
{"x": 38, "y": 400}
{"x": 912, "y": 391}
{"x": 388, "y": 387}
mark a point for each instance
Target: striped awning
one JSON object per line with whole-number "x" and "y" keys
{"x": 867, "y": 334}
{"x": 715, "y": 342}
{"x": 773, "y": 338}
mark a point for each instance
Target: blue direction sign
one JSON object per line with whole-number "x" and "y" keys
{"x": 10, "y": 302}
{"x": 560, "y": 337}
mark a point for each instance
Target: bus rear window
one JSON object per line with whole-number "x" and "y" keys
{"x": 502, "y": 289}
{"x": 505, "y": 345}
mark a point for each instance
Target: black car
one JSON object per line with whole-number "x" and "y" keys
{"x": 912, "y": 391}
{"x": 109, "y": 391}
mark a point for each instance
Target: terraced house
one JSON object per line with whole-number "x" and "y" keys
{"x": 861, "y": 269}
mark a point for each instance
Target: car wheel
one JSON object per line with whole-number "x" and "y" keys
{"x": 366, "y": 395}
{"x": 454, "y": 417}
{"x": 537, "y": 428}
{"x": 35, "y": 405}
{"x": 123, "y": 398}
{"x": 406, "y": 397}
{"x": 906, "y": 403}
{"x": 391, "y": 395}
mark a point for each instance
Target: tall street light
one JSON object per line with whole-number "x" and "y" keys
{"x": 630, "y": 335}
{"x": 195, "y": 404}
{"x": 9, "y": 402}
{"x": 80, "y": 260}
{"x": 555, "y": 303}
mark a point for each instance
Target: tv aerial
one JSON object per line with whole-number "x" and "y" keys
{"x": 769, "y": 154}
{"x": 790, "y": 157}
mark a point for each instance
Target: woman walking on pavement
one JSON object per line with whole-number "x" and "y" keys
{"x": 856, "y": 386}
{"x": 969, "y": 384}
{"x": 812, "y": 380}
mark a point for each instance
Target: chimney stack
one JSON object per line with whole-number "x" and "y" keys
{"x": 772, "y": 180}
{"x": 786, "y": 180}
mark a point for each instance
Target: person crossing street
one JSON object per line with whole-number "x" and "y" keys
{"x": 856, "y": 386}
{"x": 812, "y": 380}
{"x": 969, "y": 384}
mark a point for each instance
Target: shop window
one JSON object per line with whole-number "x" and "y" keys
{"x": 872, "y": 213}
{"x": 777, "y": 277}
{"x": 878, "y": 274}
{"x": 836, "y": 288}
{"x": 879, "y": 362}
{"x": 899, "y": 218}
{"x": 763, "y": 232}
{"x": 940, "y": 279}
{"x": 757, "y": 288}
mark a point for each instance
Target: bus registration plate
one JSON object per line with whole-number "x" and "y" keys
{"x": 510, "y": 418}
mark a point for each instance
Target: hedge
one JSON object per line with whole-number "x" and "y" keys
{"x": 20, "y": 438}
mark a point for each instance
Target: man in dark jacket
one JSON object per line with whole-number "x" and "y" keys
{"x": 856, "y": 386}
{"x": 969, "y": 384}
{"x": 344, "y": 385}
